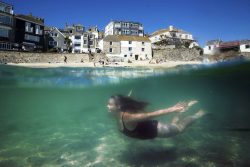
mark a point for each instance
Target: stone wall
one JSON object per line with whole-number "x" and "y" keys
{"x": 25, "y": 57}
{"x": 246, "y": 54}
{"x": 116, "y": 47}
{"x": 182, "y": 54}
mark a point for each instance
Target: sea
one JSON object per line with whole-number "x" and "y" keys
{"x": 57, "y": 117}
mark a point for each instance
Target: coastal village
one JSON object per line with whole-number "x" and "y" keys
{"x": 23, "y": 37}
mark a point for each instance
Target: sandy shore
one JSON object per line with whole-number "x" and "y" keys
{"x": 168, "y": 64}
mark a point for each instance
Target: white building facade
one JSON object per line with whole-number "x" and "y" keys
{"x": 211, "y": 47}
{"x": 174, "y": 34}
{"x": 128, "y": 47}
{"x": 245, "y": 46}
{"x": 124, "y": 28}
{"x": 83, "y": 41}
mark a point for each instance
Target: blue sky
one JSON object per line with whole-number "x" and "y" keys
{"x": 205, "y": 19}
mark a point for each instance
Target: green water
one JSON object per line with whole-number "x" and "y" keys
{"x": 58, "y": 117}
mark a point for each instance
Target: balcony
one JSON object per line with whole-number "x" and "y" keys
{"x": 6, "y": 8}
{"x": 6, "y": 20}
{"x": 117, "y": 25}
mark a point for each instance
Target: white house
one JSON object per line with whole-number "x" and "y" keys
{"x": 245, "y": 46}
{"x": 55, "y": 39}
{"x": 211, "y": 47}
{"x": 137, "y": 48}
{"x": 173, "y": 34}
{"x": 83, "y": 41}
{"x": 127, "y": 47}
{"x": 218, "y": 46}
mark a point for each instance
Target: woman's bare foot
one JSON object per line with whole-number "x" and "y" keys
{"x": 175, "y": 120}
{"x": 199, "y": 114}
{"x": 192, "y": 103}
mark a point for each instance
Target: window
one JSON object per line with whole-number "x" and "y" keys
{"x": 85, "y": 35}
{"x": 70, "y": 31}
{"x": 28, "y": 27}
{"x": 4, "y": 32}
{"x": 130, "y": 49}
{"x": 77, "y": 44}
{"x": 7, "y": 20}
{"x": 91, "y": 42}
{"x": 53, "y": 43}
{"x": 209, "y": 47}
{"x": 143, "y": 43}
{"x": 77, "y": 37}
{"x": 85, "y": 42}
{"x": 91, "y": 36}
{"x": 110, "y": 43}
{"x": 125, "y": 55}
{"x": 31, "y": 38}
{"x": 5, "y": 8}
{"x": 54, "y": 34}
{"x": 247, "y": 46}
{"x": 110, "y": 50}
{"x": 79, "y": 29}
{"x": 38, "y": 29}
{"x": 143, "y": 49}
{"x": 129, "y": 42}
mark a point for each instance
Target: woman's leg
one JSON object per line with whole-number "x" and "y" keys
{"x": 169, "y": 130}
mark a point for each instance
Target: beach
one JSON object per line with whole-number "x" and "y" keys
{"x": 146, "y": 64}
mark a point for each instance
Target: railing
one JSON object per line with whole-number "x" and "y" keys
{"x": 5, "y": 46}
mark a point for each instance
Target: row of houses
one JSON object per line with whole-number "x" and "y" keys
{"x": 20, "y": 31}
{"x": 121, "y": 39}
{"x": 73, "y": 38}
{"x": 214, "y": 47}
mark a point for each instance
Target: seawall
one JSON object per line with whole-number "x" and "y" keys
{"x": 26, "y": 57}
{"x": 182, "y": 54}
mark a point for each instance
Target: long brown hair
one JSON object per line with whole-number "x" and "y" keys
{"x": 126, "y": 103}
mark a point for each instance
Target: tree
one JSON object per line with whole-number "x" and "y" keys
{"x": 68, "y": 44}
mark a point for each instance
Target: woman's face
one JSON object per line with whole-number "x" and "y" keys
{"x": 112, "y": 107}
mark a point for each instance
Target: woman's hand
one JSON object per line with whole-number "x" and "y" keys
{"x": 183, "y": 106}
{"x": 179, "y": 107}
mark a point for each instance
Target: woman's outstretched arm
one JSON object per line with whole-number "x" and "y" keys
{"x": 179, "y": 107}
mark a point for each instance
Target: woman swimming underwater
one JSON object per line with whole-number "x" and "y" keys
{"x": 135, "y": 123}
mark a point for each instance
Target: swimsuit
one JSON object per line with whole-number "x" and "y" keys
{"x": 143, "y": 129}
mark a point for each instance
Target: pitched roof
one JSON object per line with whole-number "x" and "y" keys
{"x": 213, "y": 42}
{"x": 30, "y": 18}
{"x": 113, "y": 38}
{"x": 161, "y": 31}
{"x": 56, "y": 29}
{"x": 47, "y": 28}
{"x": 133, "y": 38}
{"x": 246, "y": 41}
{"x": 118, "y": 38}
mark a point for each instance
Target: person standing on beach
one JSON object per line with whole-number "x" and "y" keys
{"x": 65, "y": 59}
{"x": 135, "y": 123}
